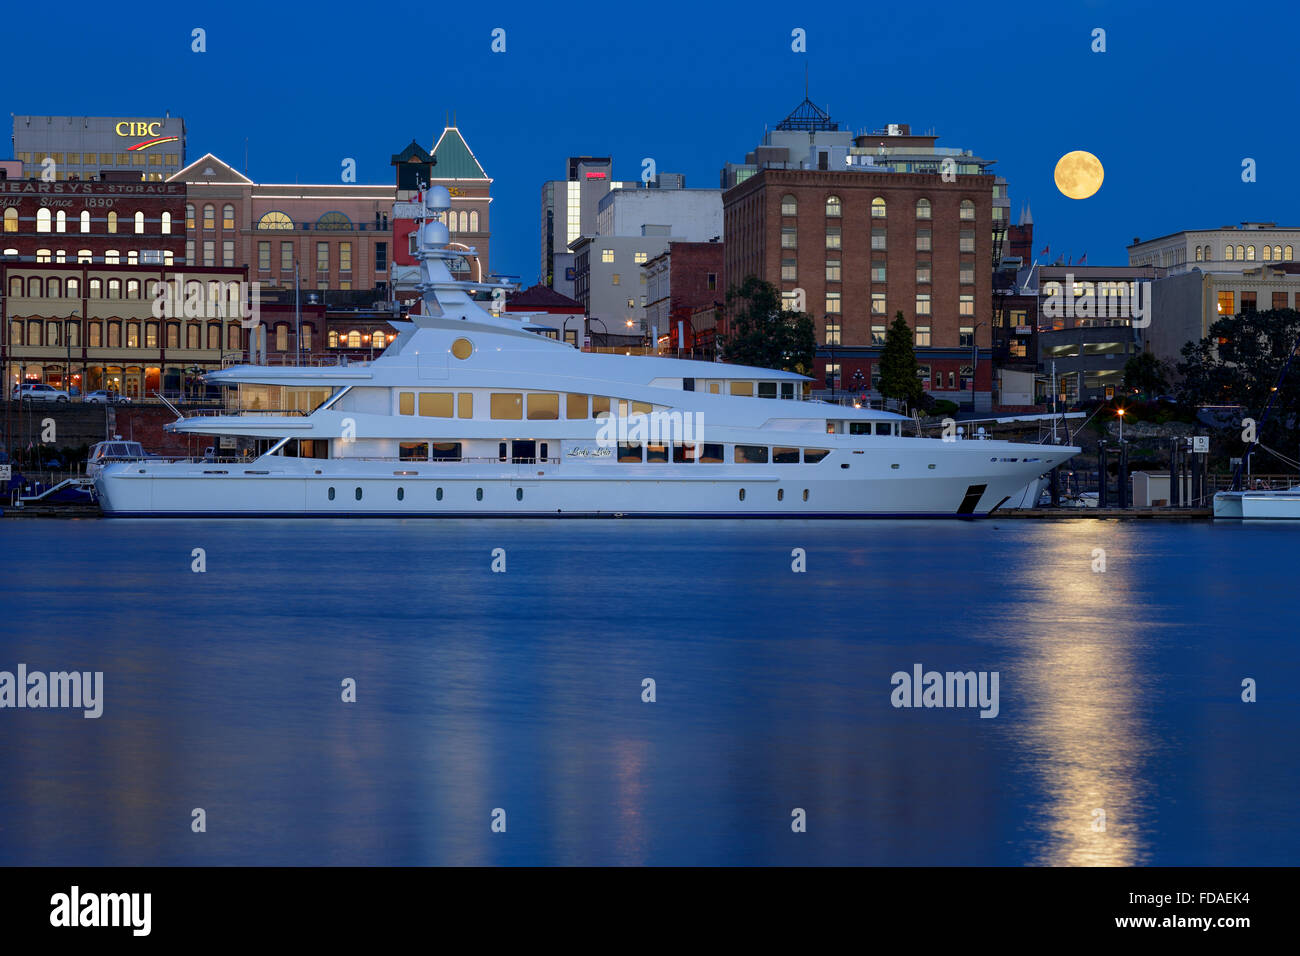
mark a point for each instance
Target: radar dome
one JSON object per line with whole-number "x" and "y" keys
{"x": 437, "y": 198}
{"x": 434, "y": 235}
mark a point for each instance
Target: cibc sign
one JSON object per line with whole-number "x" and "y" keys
{"x": 138, "y": 128}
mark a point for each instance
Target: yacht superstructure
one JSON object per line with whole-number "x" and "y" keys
{"x": 469, "y": 413}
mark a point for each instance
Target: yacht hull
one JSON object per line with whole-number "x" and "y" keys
{"x": 661, "y": 490}
{"x": 1268, "y": 505}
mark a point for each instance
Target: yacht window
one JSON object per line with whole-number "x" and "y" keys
{"x": 575, "y": 406}
{"x": 683, "y": 453}
{"x": 406, "y": 403}
{"x": 507, "y": 405}
{"x": 811, "y": 456}
{"x": 780, "y": 494}
{"x": 478, "y": 494}
{"x": 642, "y": 408}
{"x": 805, "y": 494}
{"x": 711, "y": 454}
{"x": 519, "y": 494}
{"x": 331, "y": 495}
{"x": 859, "y": 428}
{"x": 884, "y": 428}
{"x": 715, "y": 388}
{"x": 742, "y": 388}
{"x": 465, "y": 408}
{"x": 462, "y": 348}
{"x": 413, "y": 451}
{"x": 767, "y": 389}
{"x": 438, "y": 494}
{"x": 656, "y": 453}
{"x": 629, "y": 451}
{"x": 401, "y": 493}
{"x": 501, "y": 451}
{"x": 742, "y": 494}
{"x": 436, "y": 404}
{"x": 358, "y": 494}
{"x": 785, "y": 456}
{"x": 599, "y": 405}
{"x": 787, "y": 390}
{"x": 751, "y": 454}
{"x": 830, "y": 428}
{"x": 446, "y": 451}
{"x": 543, "y": 406}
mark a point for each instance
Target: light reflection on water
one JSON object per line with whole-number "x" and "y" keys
{"x": 523, "y": 691}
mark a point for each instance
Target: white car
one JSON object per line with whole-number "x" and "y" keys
{"x": 36, "y": 392}
{"x": 103, "y": 397}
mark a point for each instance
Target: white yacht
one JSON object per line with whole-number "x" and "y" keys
{"x": 471, "y": 413}
{"x": 1275, "y": 503}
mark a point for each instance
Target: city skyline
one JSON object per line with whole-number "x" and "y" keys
{"x": 727, "y": 82}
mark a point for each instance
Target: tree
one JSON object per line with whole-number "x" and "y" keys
{"x": 1146, "y": 374}
{"x": 1239, "y": 363}
{"x": 898, "y": 378}
{"x": 763, "y": 333}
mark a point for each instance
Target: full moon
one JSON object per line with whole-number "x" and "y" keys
{"x": 1079, "y": 174}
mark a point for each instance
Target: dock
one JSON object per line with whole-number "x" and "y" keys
{"x": 1167, "y": 514}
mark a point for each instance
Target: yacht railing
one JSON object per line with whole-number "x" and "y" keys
{"x": 490, "y": 460}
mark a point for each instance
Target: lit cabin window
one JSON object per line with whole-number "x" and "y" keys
{"x": 507, "y": 405}
{"x": 751, "y": 455}
{"x": 629, "y": 451}
{"x": 575, "y": 406}
{"x": 684, "y": 453}
{"x": 785, "y": 456}
{"x": 811, "y": 456}
{"x": 445, "y": 451}
{"x": 406, "y": 403}
{"x": 436, "y": 404}
{"x": 656, "y": 453}
{"x": 599, "y": 405}
{"x": 642, "y": 408}
{"x": 543, "y": 406}
{"x": 711, "y": 453}
{"x": 742, "y": 388}
{"x": 465, "y": 405}
{"x": 462, "y": 348}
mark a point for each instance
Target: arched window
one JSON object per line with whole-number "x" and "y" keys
{"x": 789, "y": 205}
{"x": 189, "y": 215}
{"x": 133, "y": 335}
{"x": 115, "y": 335}
{"x": 967, "y": 209}
{"x": 228, "y": 216}
{"x": 115, "y": 288}
{"x": 923, "y": 210}
{"x": 34, "y": 288}
{"x": 1290, "y": 254}
{"x": 877, "y": 208}
{"x": 834, "y": 208}
{"x": 60, "y": 221}
{"x": 1277, "y": 253}
{"x": 60, "y": 255}
{"x": 214, "y": 335}
{"x": 133, "y": 288}
{"x": 332, "y": 340}
{"x": 379, "y": 340}
{"x": 133, "y": 257}
{"x": 112, "y": 222}
{"x": 85, "y": 220}
{"x": 282, "y": 338}
{"x": 354, "y": 340}
{"x": 191, "y": 335}
{"x": 209, "y": 216}
{"x": 464, "y": 221}
{"x": 1198, "y": 253}
{"x": 275, "y": 220}
{"x": 166, "y": 223}
{"x": 1267, "y": 253}
{"x": 1250, "y": 253}
{"x": 96, "y": 288}
{"x": 16, "y": 286}
{"x": 74, "y": 288}
{"x": 111, "y": 257}
{"x": 1241, "y": 254}
{"x": 51, "y": 333}
{"x": 232, "y": 336}
{"x": 139, "y": 222}
{"x": 16, "y": 332}
{"x": 306, "y": 337}
{"x": 43, "y": 255}
{"x": 42, "y": 220}
{"x": 334, "y": 222}
{"x": 11, "y": 219}
{"x": 473, "y": 220}
{"x": 85, "y": 256}
{"x": 53, "y": 288}
{"x": 1227, "y": 253}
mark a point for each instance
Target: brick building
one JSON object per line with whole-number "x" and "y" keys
{"x": 862, "y": 228}
{"x": 681, "y": 281}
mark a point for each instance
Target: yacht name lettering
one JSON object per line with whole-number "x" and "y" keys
{"x": 588, "y": 452}
{"x": 37, "y": 689}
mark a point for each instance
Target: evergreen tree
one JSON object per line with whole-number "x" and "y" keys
{"x": 898, "y": 378}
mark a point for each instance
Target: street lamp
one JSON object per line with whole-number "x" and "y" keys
{"x": 564, "y": 330}
{"x": 592, "y": 318}
{"x": 1120, "y": 413}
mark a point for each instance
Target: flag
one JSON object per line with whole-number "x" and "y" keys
{"x": 1046, "y": 250}
{"x": 1082, "y": 259}
{"x": 1060, "y": 260}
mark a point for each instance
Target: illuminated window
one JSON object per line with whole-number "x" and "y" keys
{"x": 189, "y": 215}
{"x": 166, "y": 223}
{"x": 43, "y": 255}
{"x": 111, "y": 257}
{"x": 11, "y": 220}
{"x": 834, "y": 208}
{"x": 112, "y": 222}
{"x": 878, "y": 208}
{"x": 832, "y": 302}
{"x": 967, "y": 209}
{"x": 616, "y": 279}
{"x": 1289, "y": 254}
{"x": 228, "y": 216}
{"x": 345, "y": 257}
{"x": 61, "y": 221}
{"x": 833, "y": 237}
{"x": 878, "y": 335}
{"x": 332, "y": 341}
{"x": 264, "y": 256}
{"x": 543, "y": 406}
{"x": 1241, "y": 254}
{"x": 832, "y": 333}
{"x": 966, "y": 305}
{"x": 209, "y": 216}
{"x": 354, "y": 339}
{"x": 923, "y": 335}
{"x": 42, "y": 220}
{"x": 437, "y": 404}
{"x": 789, "y": 205}
{"x": 923, "y": 303}
{"x": 1250, "y": 253}
{"x": 607, "y": 255}
{"x": 1227, "y": 304}
{"x": 639, "y": 257}
{"x": 507, "y": 405}
{"x": 139, "y": 222}
{"x": 877, "y": 303}
{"x": 832, "y": 270}
{"x": 274, "y": 220}
{"x": 923, "y": 209}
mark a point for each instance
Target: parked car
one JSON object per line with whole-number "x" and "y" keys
{"x": 36, "y": 392}
{"x": 106, "y": 397}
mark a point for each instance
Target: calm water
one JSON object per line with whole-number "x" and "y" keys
{"x": 522, "y": 691}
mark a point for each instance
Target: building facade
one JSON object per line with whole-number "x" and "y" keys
{"x": 569, "y": 208}
{"x": 150, "y": 148}
{"x": 1228, "y": 249}
{"x": 680, "y": 282}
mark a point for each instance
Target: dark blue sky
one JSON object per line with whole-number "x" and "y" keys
{"x": 1182, "y": 95}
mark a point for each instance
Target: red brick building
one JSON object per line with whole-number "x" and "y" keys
{"x": 863, "y": 246}
{"x": 681, "y": 281}
{"x": 89, "y": 221}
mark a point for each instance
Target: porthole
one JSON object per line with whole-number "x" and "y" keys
{"x": 805, "y": 494}
{"x": 438, "y": 494}
{"x": 931, "y": 467}
{"x": 780, "y": 494}
{"x": 742, "y": 494}
{"x": 331, "y": 494}
{"x": 462, "y": 348}
{"x": 895, "y": 467}
{"x": 401, "y": 494}
{"x": 845, "y": 465}
{"x": 358, "y": 494}
{"x": 519, "y": 494}
{"x": 478, "y": 494}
